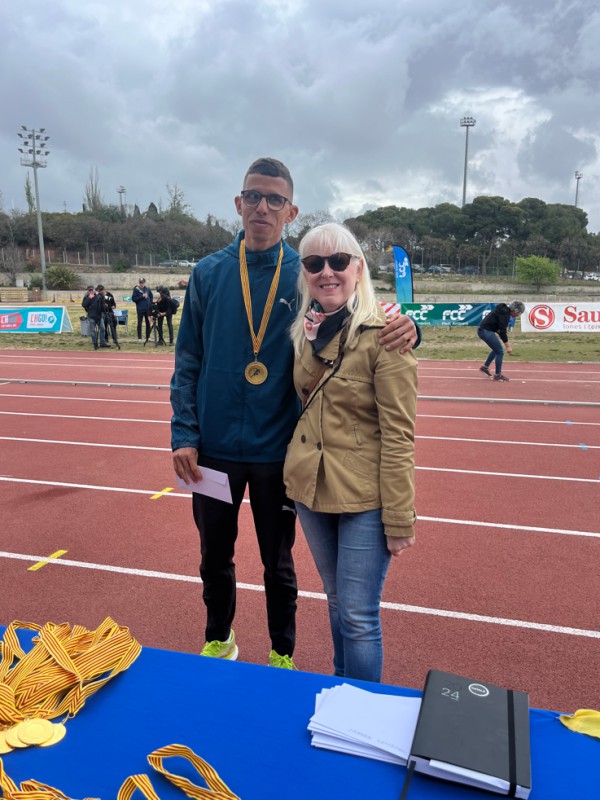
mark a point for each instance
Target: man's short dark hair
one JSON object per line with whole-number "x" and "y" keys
{"x": 272, "y": 168}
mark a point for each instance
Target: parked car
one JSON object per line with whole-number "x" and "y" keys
{"x": 472, "y": 270}
{"x": 177, "y": 263}
{"x": 439, "y": 269}
{"x": 591, "y": 277}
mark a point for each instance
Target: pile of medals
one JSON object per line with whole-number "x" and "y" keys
{"x": 40, "y": 732}
{"x": 65, "y": 666}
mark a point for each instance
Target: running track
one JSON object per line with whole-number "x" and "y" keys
{"x": 502, "y": 584}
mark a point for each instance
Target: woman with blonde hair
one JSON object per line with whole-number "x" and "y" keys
{"x": 350, "y": 464}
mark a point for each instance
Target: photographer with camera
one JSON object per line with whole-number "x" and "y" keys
{"x": 108, "y": 305}
{"x": 93, "y": 303}
{"x": 142, "y": 297}
{"x": 165, "y": 309}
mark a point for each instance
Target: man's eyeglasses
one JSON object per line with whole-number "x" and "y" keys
{"x": 337, "y": 261}
{"x": 252, "y": 199}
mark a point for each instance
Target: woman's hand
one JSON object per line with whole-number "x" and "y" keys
{"x": 396, "y": 544}
{"x": 508, "y": 349}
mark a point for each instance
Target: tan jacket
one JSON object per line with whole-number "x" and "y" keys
{"x": 353, "y": 447}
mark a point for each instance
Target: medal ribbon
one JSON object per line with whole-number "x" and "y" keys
{"x": 34, "y": 790}
{"x": 257, "y": 339}
{"x": 65, "y": 666}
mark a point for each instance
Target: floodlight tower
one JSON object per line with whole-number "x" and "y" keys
{"x": 121, "y": 191}
{"x": 578, "y": 177}
{"x": 33, "y": 154}
{"x": 466, "y": 122}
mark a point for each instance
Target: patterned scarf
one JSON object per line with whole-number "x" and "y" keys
{"x": 321, "y": 326}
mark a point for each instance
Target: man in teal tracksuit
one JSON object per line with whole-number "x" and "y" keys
{"x": 235, "y": 408}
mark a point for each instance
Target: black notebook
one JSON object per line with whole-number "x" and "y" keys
{"x": 473, "y": 733}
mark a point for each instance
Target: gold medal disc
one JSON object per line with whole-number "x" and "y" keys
{"x": 59, "y": 732}
{"x": 256, "y": 373}
{"x": 12, "y": 737}
{"x": 35, "y": 731}
{"x": 4, "y": 745}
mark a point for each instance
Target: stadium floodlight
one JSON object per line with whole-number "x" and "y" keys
{"x": 35, "y": 142}
{"x": 578, "y": 177}
{"x": 466, "y": 123}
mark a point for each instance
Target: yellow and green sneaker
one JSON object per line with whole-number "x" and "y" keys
{"x": 217, "y": 649}
{"x": 283, "y": 662}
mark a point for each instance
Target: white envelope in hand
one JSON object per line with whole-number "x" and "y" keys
{"x": 213, "y": 484}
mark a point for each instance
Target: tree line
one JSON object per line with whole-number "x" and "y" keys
{"x": 490, "y": 232}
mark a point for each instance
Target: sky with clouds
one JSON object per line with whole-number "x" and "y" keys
{"x": 362, "y": 100}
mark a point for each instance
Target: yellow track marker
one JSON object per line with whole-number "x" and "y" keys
{"x": 40, "y": 564}
{"x": 161, "y": 494}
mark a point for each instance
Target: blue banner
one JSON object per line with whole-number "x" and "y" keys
{"x": 35, "y": 319}
{"x": 403, "y": 275}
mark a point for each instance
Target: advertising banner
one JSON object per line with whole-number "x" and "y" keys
{"x": 447, "y": 314}
{"x": 36, "y": 319}
{"x": 403, "y": 275}
{"x": 572, "y": 317}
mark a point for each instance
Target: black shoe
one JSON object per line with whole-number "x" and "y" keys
{"x": 486, "y": 370}
{"x": 160, "y": 343}
{"x": 104, "y": 344}
{"x": 118, "y": 346}
{"x": 501, "y": 377}
{"x": 95, "y": 347}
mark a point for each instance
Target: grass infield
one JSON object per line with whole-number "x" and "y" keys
{"x": 446, "y": 344}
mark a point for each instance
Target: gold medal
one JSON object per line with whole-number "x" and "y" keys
{"x": 4, "y": 745}
{"x": 35, "y": 731}
{"x": 256, "y": 373}
{"x": 12, "y": 737}
{"x": 59, "y": 732}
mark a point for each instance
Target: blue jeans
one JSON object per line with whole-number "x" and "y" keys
{"x": 350, "y": 551}
{"x": 492, "y": 340}
{"x": 97, "y": 331}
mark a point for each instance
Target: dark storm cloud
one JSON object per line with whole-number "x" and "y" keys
{"x": 362, "y": 100}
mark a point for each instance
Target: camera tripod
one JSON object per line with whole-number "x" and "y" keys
{"x": 110, "y": 326}
{"x": 153, "y": 331}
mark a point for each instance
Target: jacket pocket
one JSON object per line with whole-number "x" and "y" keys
{"x": 362, "y": 466}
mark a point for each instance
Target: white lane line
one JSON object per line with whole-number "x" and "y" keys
{"x": 499, "y": 419}
{"x": 506, "y": 401}
{"x": 84, "y": 399}
{"x": 504, "y": 441}
{"x": 100, "y": 364}
{"x": 74, "y": 416}
{"x": 438, "y": 377}
{"x": 88, "y": 444}
{"x": 510, "y": 475}
{"x": 167, "y": 403}
{"x": 167, "y": 422}
{"x": 507, "y": 527}
{"x": 436, "y": 612}
{"x": 565, "y": 479}
{"x": 187, "y": 495}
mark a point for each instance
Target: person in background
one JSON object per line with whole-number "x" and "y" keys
{"x": 493, "y": 330}
{"x": 234, "y": 405}
{"x": 350, "y": 464}
{"x": 108, "y": 304}
{"x": 92, "y": 303}
{"x": 165, "y": 311}
{"x": 142, "y": 297}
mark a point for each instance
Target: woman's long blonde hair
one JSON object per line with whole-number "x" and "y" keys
{"x": 332, "y": 237}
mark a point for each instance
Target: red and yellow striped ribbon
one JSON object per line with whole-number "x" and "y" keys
{"x": 65, "y": 666}
{"x": 34, "y": 790}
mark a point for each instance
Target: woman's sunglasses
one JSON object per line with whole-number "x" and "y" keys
{"x": 337, "y": 261}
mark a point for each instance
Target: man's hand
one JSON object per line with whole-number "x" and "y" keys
{"x": 396, "y": 544}
{"x": 400, "y": 332}
{"x": 185, "y": 464}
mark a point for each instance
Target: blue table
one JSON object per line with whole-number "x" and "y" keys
{"x": 249, "y": 722}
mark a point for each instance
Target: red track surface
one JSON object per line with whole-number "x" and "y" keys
{"x": 502, "y": 584}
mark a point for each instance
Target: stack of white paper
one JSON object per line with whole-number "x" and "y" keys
{"x": 352, "y": 720}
